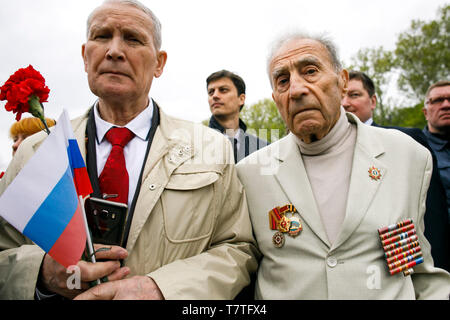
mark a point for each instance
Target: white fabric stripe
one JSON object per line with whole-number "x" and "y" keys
{"x": 35, "y": 181}
{"x": 68, "y": 131}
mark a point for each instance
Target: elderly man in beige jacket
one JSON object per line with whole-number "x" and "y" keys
{"x": 190, "y": 235}
{"x": 318, "y": 196}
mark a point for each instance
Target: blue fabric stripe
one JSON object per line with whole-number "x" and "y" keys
{"x": 75, "y": 158}
{"x": 54, "y": 214}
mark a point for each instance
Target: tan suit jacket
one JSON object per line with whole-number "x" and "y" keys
{"x": 190, "y": 230}
{"x": 353, "y": 267}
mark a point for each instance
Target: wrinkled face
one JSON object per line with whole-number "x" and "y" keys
{"x": 17, "y": 140}
{"x": 119, "y": 56}
{"x": 306, "y": 88}
{"x": 223, "y": 98}
{"x": 437, "y": 111}
{"x": 358, "y": 101}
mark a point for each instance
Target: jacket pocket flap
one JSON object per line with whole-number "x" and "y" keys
{"x": 191, "y": 181}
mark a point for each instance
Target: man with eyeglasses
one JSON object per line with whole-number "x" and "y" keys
{"x": 437, "y": 113}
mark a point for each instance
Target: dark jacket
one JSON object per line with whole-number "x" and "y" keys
{"x": 248, "y": 143}
{"x": 437, "y": 228}
{"x": 441, "y": 147}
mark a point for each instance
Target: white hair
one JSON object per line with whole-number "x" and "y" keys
{"x": 297, "y": 35}
{"x": 156, "y": 30}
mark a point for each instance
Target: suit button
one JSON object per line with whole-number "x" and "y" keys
{"x": 152, "y": 187}
{"x": 331, "y": 261}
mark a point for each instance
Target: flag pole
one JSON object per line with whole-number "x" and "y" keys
{"x": 89, "y": 245}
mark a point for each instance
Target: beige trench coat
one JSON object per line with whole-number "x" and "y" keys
{"x": 190, "y": 231}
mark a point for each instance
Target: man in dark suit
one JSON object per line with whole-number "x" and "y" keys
{"x": 226, "y": 98}
{"x": 437, "y": 131}
{"x": 361, "y": 101}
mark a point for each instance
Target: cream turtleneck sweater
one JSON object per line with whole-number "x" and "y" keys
{"x": 328, "y": 163}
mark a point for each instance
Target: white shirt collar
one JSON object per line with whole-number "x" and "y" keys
{"x": 140, "y": 125}
{"x": 369, "y": 121}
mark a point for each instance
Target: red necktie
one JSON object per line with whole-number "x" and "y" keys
{"x": 114, "y": 178}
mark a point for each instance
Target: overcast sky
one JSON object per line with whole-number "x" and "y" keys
{"x": 200, "y": 37}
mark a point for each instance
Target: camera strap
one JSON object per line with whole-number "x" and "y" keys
{"x": 91, "y": 159}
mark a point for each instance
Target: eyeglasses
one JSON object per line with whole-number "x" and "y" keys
{"x": 438, "y": 100}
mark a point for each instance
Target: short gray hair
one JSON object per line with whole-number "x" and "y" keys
{"x": 297, "y": 35}
{"x": 440, "y": 83}
{"x": 156, "y": 32}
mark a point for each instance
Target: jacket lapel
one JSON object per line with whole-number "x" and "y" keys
{"x": 362, "y": 188}
{"x": 167, "y": 153}
{"x": 291, "y": 175}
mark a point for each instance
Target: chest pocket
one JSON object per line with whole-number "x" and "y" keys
{"x": 189, "y": 205}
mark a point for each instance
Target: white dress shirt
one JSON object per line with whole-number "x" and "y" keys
{"x": 134, "y": 151}
{"x": 369, "y": 121}
{"x": 236, "y": 134}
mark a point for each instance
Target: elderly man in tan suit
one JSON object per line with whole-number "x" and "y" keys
{"x": 190, "y": 235}
{"x": 338, "y": 181}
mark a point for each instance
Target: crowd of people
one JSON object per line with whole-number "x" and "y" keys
{"x": 295, "y": 219}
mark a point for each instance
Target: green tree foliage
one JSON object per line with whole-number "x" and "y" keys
{"x": 411, "y": 117}
{"x": 423, "y": 54}
{"x": 420, "y": 58}
{"x": 264, "y": 115}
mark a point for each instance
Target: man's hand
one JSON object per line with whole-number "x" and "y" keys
{"x": 53, "y": 276}
{"x": 136, "y": 288}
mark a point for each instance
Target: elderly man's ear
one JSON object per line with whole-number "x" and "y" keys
{"x": 162, "y": 59}
{"x": 343, "y": 82}
{"x": 83, "y": 49}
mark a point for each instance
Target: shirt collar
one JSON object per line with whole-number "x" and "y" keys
{"x": 369, "y": 121}
{"x": 438, "y": 142}
{"x": 214, "y": 124}
{"x": 140, "y": 125}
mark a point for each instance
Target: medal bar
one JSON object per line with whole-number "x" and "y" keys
{"x": 401, "y": 247}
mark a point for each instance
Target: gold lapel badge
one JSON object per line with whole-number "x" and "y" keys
{"x": 374, "y": 173}
{"x": 278, "y": 239}
{"x": 285, "y": 219}
{"x": 401, "y": 247}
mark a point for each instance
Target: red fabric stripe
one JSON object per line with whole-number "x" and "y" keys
{"x": 70, "y": 245}
{"x": 273, "y": 222}
{"x": 82, "y": 182}
{"x": 277, "y": 213}
{"x": 274, "y": 217}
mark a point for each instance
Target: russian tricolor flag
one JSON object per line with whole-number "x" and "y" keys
{"x": 42, "y": 201}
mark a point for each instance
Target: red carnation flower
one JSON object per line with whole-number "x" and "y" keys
{"x": 24, "y": 91}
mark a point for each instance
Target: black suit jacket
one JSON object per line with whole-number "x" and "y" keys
{"x": 437, "y": 228}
